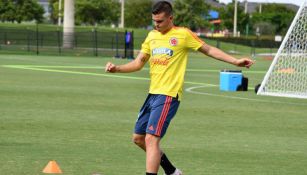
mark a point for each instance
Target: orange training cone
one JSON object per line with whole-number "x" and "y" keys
{"x": 52, "y": 167}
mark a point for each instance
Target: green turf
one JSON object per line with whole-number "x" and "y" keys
{"x": 67, "y": 109}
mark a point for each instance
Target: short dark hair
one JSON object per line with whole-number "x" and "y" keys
{"x": 162, "y": 6}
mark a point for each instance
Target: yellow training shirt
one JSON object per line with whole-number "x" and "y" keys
{"x": 168, "y": 59}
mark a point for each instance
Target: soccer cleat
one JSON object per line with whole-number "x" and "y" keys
{"x": 177, "y": 172}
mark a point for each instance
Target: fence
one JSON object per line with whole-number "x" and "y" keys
{"x": 80, "y": 43}
{"x": 99, "y": 42}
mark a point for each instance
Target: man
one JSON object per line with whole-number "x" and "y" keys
{"x": 166, "y": 49}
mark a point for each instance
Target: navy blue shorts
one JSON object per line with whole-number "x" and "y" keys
{"x": 156, "y": 114}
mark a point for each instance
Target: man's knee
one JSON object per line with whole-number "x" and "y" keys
{"x": 152, "y": 140}
{"x": 138, "y": 139}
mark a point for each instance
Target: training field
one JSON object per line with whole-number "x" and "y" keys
{"x": 67, "y": 109}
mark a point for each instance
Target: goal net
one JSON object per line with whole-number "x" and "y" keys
{"x": 287, "y": 75}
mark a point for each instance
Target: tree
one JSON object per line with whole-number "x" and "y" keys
{"x": 54, "y": 6}
{"x": 28, "y": 10}
{"x": 264, "y": 28}
{"x": 227, "y": 15}
{"x": 21, "y": 10}
{"x": 93, "y": 11}
{"x": 7, "y": 11}
{"x": 277, "y": 15}
{"x": 90, "y": 11}
{"x": 191, "y": 13}
{"x": 138, "y": 13}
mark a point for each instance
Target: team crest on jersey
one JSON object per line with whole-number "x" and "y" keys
{"x": 173, "y": 41}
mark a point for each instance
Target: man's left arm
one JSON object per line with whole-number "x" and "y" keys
{"x": 222, "y": 56}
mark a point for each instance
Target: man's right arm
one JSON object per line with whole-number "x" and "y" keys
{"x": 135, "y": 65}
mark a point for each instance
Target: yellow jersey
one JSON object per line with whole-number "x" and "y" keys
{"x": 168, "y": 59}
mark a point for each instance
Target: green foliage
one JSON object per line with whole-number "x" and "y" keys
{"x": 191, "y": 13}
{"x": 277, "y": 15}
{"x": 54, "y": 6}
{"x": 265, "y": 28}
{"x": 138, "y": 13}
{"x": 227, "y": 15}
{"x": 97, "y": 12}
{"x": 275, "y": 8}
{"x": 7, "y": 11}
{"x": 90, "y": 11}
{"x": 21, "y": 10}
{"x": 27, "y": 10}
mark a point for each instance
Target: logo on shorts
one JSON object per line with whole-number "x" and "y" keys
{"x": 151, "y": 128}
{"x": 173, "y": 41}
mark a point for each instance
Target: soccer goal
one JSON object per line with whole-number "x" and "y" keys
{"x": 287, "y": 75}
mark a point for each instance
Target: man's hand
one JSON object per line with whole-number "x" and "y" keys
{"x": 244, "y": 62}
{"x": 110, "y": 67}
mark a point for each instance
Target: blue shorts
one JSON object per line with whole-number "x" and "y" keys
{"x": 156, "y": 114}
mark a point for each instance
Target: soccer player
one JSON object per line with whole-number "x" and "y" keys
{"x": 166, "y": 48}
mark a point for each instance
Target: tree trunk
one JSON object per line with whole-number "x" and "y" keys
{"x": 69, "y": 24}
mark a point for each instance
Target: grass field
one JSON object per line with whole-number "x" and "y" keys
{"x": 67, "y": 109}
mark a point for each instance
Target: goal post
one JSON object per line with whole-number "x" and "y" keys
{"x": 287, "y": 75}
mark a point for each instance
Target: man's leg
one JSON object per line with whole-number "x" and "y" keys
{"x": 154, "y": 123}
{"x": 165, "y": 163}
{"x": 153, "y": 153}
{"x": 139, "y": 140}
{"x": 151, "y": 140}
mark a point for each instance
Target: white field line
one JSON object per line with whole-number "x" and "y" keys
{"x": 193, "y": 91}
{"x": 190, "y": 90}
{"x": 101, "y": 67}
{"x": 45, "y": 69}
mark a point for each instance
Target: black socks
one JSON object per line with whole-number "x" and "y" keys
{"x": 167, "y": 165}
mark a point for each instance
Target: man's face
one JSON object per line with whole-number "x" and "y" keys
{"x": 162, "y": 22}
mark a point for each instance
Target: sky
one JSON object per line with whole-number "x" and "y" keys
{"x": 296, "y": 2}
